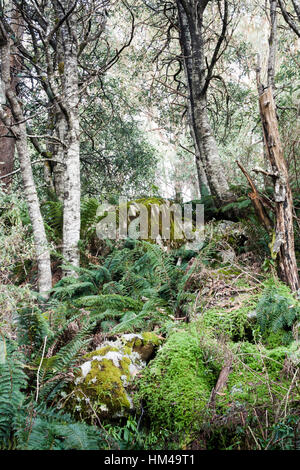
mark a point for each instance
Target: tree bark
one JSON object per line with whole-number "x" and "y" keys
{"x": 272, "y": 44}
{"x": 284, "y": 230}
{"x": 7, "y": 140}
{"x": 209, "y": 166}
{"x": 56, "y": 180}
{"x": 19, "y": 132}
{"x": 257, "y": 202}
{"x": 283, "y": 243}
{"x": 71, "y": 219}
{"x": 39, "y": 234}
{"x": 222, "y": 382}
{"x": 7, "y": 151}
{"x": 292, "y": 20}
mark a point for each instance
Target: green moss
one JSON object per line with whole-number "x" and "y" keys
{"x": 257, "y": 376}
{"x": 100, "y": 352}
{"x": 233, "y": 323}
{"x": 127, "y": 349}
{"x": 149, "y": 337}
{"x": 226, "y": 273}
{"x": 125, "y": 363}
{"x": 102, "y": 385}
{"x": 176, "y": 385}
{"x": 104, "y": 388}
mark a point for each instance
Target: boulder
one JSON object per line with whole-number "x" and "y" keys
{"x": 175, "y": 387}
{"x": 104, "y": 380}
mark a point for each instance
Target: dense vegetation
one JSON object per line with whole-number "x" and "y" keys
{"x": 142, "y": 343}
{"x": 204, "y": 310}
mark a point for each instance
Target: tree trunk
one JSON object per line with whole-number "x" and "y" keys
{"x": 20, "y": 135}
{"x": 71, "y": 219}
{"x": 293, "y": 20}
{"x": 214, "y": 169}
{"x": 284, "y": 231}
{"x": 209, "y": 166}
{"x": 283, "y": 242}
{"x": 39, "y": 235}
{"x": 7, "y": 140}
{"x": 58, "y": 153}
{"x": 272, "y": 45}
{"x": 58, "y": 119}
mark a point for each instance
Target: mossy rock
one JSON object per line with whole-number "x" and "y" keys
{"x": 149, "y": 204}
{"x": 234, "y": 324}
{"x": 104, "y": 381}
{"x": 176, "y": 385}
{"x": 237, "y": 320}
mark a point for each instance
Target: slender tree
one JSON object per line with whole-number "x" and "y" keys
{"x": 199, "y": 73}
{"x": 61, "y": 63}
{"x": 7, "y": 140}
{"x": 12, "y": 116}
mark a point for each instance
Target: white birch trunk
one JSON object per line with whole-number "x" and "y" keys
{"x": 39, "y": 234}
{"x": 71, "y": 219}
{"x": 212, "y": 161}
{"x": 31, "y": 197}
{"x": 59, "y": 155}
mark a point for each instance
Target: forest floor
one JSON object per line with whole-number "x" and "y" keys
{"x": 152, "y": 348}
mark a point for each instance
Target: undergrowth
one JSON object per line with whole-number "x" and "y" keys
{"x": 207, "y": 307}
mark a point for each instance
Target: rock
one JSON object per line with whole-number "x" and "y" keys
{"x": 176, "y": 386}
{"x": 103, "y": 383}
{"x": 252, "y": 315}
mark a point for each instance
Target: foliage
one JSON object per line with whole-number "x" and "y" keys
{"x": 136, "y": 284}
{"x": 16, "y": 244}
{"x": 28, "y": 425}
{"x": 233, "y": 323}
{"x": 176, "y": 385}
{"x": 278, "y": 310}
{"x": 117, "y": 157}
{"x": 53, "y": 216}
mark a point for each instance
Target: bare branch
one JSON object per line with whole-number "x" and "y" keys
{"x": 288, "y": 17}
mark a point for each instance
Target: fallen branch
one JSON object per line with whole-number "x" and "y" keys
{"x": 257, "y": 201}
{"x": 221, "y": 383}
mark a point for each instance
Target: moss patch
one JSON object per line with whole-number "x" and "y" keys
{"x": 258, "y": 376}
{"x": 176, "y": 385}
{"x": 103, "y": 384}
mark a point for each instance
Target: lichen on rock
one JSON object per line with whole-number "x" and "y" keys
{"x": 104, "y": 380}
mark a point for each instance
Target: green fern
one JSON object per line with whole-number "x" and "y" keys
{"x": 88, "y": 213}
{"x": 13, "y": 381}
{"x": 277, "y": 311}
{"x": 114, "y": 301}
